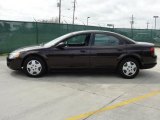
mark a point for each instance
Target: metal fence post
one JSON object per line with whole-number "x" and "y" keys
{"x": 37, "y": 35}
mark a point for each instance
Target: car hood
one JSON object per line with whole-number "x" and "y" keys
{"x": 36, "y": 47}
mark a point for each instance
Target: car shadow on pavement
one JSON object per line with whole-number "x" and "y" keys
{"x": 92, "y": 77}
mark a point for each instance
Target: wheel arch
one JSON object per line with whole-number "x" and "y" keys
{"x": 35, "y": 55}
{"x": 134, "y": 56}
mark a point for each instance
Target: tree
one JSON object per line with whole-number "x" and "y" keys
{"x": 51, "y": 20}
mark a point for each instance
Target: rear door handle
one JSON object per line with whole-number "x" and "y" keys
{"x": 82, "y": 51}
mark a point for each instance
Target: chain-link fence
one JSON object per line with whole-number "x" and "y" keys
{"x": 15, "y": 34}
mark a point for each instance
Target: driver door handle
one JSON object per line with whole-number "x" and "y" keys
{"x": 119, "y": 49}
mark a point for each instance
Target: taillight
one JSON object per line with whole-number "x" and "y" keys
{"x": 152, "y": 51}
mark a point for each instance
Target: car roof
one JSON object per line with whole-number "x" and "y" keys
{"x": 92, "y": 31}
{"x": 98, "y": 31}
{"x": 101, "y": 31}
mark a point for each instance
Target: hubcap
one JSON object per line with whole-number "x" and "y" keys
{"x": 34, "y": 67}
{"x": 129, "y": 68}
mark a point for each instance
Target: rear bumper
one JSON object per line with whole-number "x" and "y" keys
{"x": 147, "y": 66}
{"x": 14, "y": 64}
{"x": 151, "y": 62}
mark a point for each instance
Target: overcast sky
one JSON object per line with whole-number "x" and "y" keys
{"x": 102, "y": 12}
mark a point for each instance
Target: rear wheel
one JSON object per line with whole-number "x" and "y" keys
{"x": 129, "y": 68}
{"x": 34, "y": 67}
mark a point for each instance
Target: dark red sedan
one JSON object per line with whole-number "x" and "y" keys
{"x": 85, "y": 49}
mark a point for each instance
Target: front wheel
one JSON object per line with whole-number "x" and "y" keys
{"x": 34, "y": 67}
{"x": 129, "y": 68}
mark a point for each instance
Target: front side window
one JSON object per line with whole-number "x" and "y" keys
{"x": 79, "y": 40}
{"x": 105, "y": 40}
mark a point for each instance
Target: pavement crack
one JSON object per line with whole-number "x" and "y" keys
{"x": 94, "y": 93}
{"x": 105, "y": 105}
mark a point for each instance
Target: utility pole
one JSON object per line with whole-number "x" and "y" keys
{"x": 155, "y": 17}
{"x": 59, "y": 5}
{"x": 147, "y": 25}
{"x": 87, "y": 20}
{"x": 132, "y": 23}
{"x": 74, "y": 8}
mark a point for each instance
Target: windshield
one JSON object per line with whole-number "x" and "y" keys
{"x": 53, "y": 42}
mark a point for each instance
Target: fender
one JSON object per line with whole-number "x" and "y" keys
{"x": 134, "y": 55}
{"x": 37, "y": 53}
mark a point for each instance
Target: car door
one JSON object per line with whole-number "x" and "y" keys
{"x": 75, "y": 54}
{"x": 105, "y": 50}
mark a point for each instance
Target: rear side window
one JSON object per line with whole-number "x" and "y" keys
{"x": 105, "y": 40}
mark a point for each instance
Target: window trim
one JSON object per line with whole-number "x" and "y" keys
{"x": 74, "y": 36}
{"x": 108, "y": 34}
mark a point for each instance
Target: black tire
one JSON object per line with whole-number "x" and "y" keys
{"x": 39, "y": 66}
{"x": 128, "y": 71}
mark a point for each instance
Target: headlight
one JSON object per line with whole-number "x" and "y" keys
{"x": 14, "y": 55}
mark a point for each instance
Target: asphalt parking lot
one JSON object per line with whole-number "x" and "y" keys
{"x": 79, "y": 96}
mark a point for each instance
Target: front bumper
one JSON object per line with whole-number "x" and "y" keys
{"x": 14, "y": 64}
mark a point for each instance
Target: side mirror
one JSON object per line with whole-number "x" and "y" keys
{"x": 61, "y": 45}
